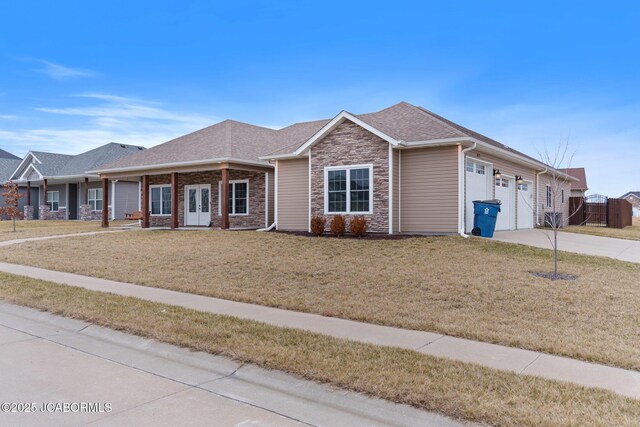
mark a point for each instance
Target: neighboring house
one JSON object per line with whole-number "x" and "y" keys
{"x": 62, "y": 188}
{"x": 578, "y": 188}
{"x": 8, "y": 164}
{"x": 634, "y": 198}
{"x": 405, "y": 169}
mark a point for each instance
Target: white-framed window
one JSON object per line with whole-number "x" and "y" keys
{"x": 549, "y": 201}
{"x": 160, "y": 200}
{"x": 476, "y": 167}
{"x": 562, "y": 195}
{"x": 53, "y": 200}
{"x": 502, "y": 182}
{"x": 238, "y": 197}
{"x": 348, "y": 189}
{"x": 523, "y": 186}
{"x": 95, "y": 199}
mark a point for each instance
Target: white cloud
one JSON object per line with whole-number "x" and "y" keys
{"x": 110, "y": 119}
{"x": 8, "y": 117}
{"x": 60, "y": 72}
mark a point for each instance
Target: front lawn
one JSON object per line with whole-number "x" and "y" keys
{"x": 460, "y": 390}
{"x": 473, "y": 288}
{"x": 631, "y": 232}
{"x": 29, "y": 229}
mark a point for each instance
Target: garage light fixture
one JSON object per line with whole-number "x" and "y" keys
{"x": 497, "y": 174}
{"x": 519, "y": 179}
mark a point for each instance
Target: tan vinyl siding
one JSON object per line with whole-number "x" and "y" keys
{"x": 542, "y": 199}
{"x": 272, "y": 199}
{"x": 396, "y": 191}
{"x": 293, "y": 195}
{"x": 429, "y": 185}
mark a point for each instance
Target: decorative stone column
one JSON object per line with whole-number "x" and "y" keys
{"x": 44, "y": 212}
{"x": 85, "y": 213}
{"x": 28, "y": 213}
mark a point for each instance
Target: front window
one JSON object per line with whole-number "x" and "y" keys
{"x": 95, "y": 199}
{"x": 562, "y": 195}
{"x": 549, "y": 196}
{"x": 238, "y": 197}
{"x": 53, "y": 200}
{"x": 161, "y": 200}
{"x": 348, "y": 190}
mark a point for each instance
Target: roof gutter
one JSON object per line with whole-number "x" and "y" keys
{"x": 183, "y": 164}
{"x": 461, "y": 203}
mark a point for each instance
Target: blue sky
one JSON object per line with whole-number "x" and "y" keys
{"x": 75, "y": 75}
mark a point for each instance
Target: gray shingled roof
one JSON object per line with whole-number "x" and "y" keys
{"x": 51, "y": 163}
{"x": 635, "y": 193}
{"x": 7, "y": 166}
{"x": 90, "y": 160}
{"x": 60, "y": 165}
{"x": 231, "y": 139}
{"x": 7, "y": 155}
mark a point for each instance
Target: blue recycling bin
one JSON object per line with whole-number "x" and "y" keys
{"x": 485, "y": 214}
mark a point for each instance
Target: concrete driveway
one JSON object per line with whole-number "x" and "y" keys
{"x": 624, "y": 250}
{"x": 63, "y": 363}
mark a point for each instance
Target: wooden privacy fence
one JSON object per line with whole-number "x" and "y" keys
{"x": 599, "y": 211}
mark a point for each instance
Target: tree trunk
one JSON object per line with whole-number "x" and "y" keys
{"x": 14, "y": 224}
{"x": 555, "y": 254}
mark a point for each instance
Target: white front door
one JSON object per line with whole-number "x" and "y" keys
{"x": 476, "y": 188}
{"x": 525, "y": 205}
{"x": 197, "y": 205}
{"x": 505, "y": 193}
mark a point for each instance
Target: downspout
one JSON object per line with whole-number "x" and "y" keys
{"x": 269, "y": 228}
{"x": 461, "y": 153}
{"x": 538, "y": 195}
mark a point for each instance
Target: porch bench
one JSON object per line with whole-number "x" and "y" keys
{"x": 137, "y": 215}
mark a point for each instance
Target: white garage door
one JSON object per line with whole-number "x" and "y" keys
{"x": 476, "y": 183}
{"x": 505, "y": 192}
{"x": 525, "y": 205}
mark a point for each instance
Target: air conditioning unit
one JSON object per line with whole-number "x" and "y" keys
{"x": 553, "y": 219}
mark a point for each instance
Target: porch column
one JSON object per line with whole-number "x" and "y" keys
{"x": 145, "y": 201}
{"x": 174, "y": 200}
{"x": 28, "y": 193}
{"x": 44, "y": 188}
{"x": 225, "y": 198}
{"x": 105, "y": 202}
{"x": 86, "y": 191}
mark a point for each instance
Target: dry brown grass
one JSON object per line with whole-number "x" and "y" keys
{"x": 631, "y": 232}
{"x": 474, "y": 288}
{"x": 456, "y": 389}
{"x": 29, "y": 229}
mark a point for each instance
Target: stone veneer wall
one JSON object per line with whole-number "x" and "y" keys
{"x": 86, "y": 214}
{"x": 46, "y": 214}
{"x": 255, "y": 218}
{"x": 28, "y": 212}
{"x": 350, "y": 144}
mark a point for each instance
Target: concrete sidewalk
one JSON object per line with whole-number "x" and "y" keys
{"x": 47, "y": 359}
{"x": 624, "y": 382}
{"x": 621, "y": 249}
{"x": 59, "y": 236}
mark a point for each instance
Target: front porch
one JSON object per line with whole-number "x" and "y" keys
{"x": 216, "y": 196}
